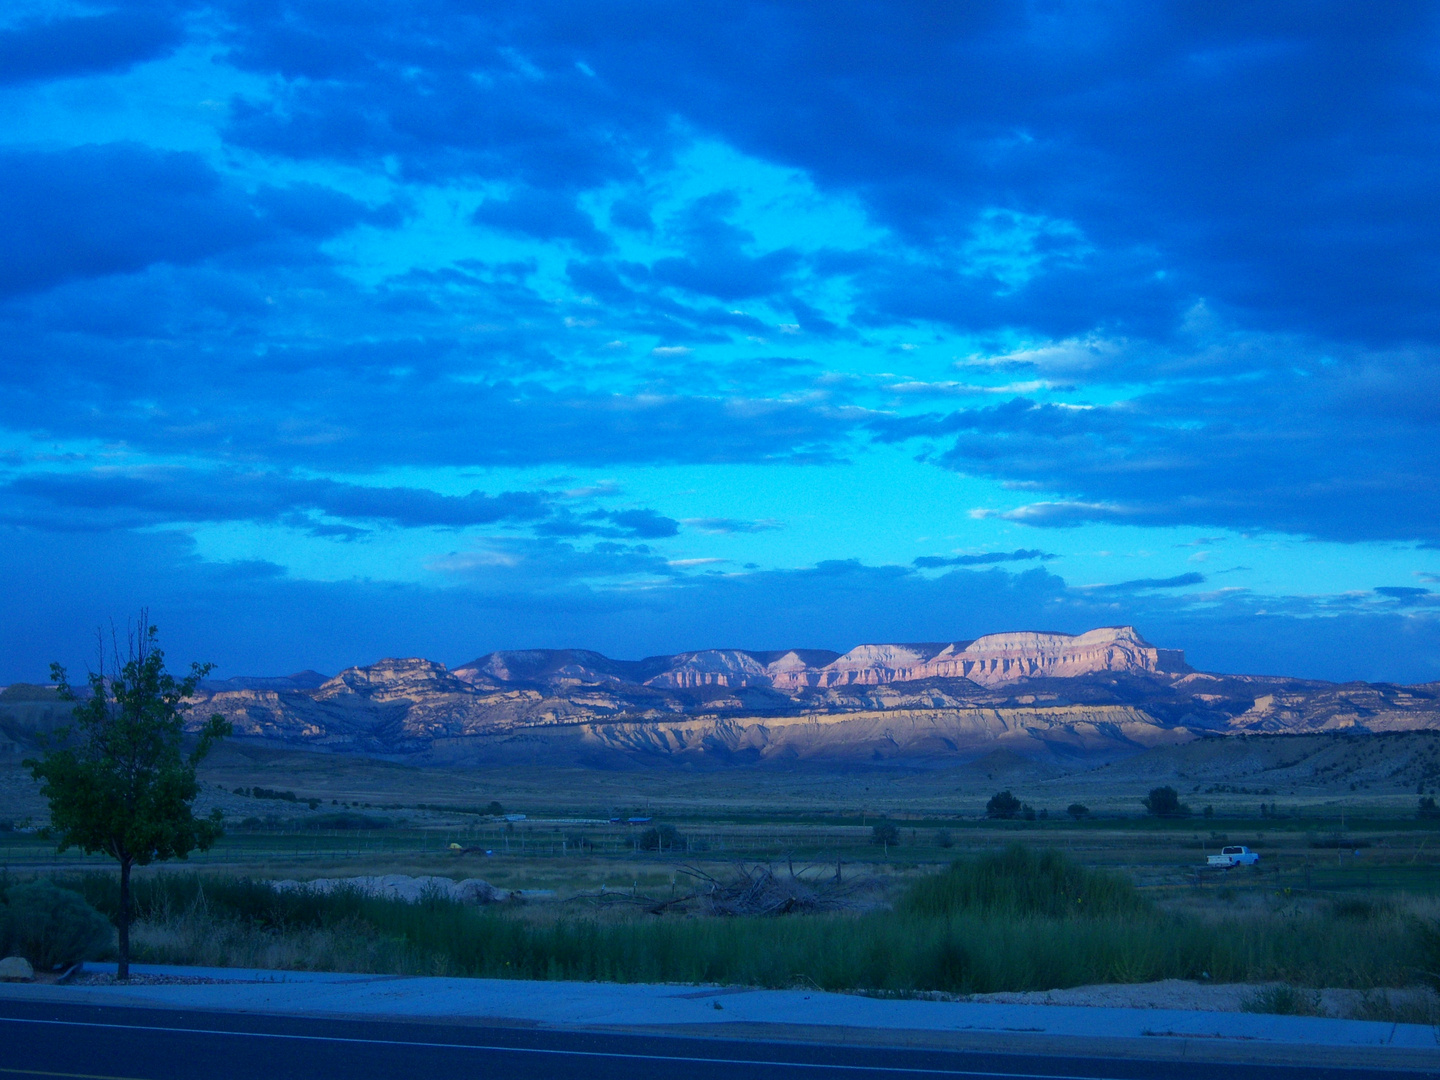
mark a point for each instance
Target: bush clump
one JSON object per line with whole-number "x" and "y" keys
{"x": 1021, "y": 882}
{"x": 51, "y": 927}
{"x": 661, "y": 838}
{"x": 1427, "y": 952}
{"x": 1165, "y": 802}
{"x": 1004, "y": 806}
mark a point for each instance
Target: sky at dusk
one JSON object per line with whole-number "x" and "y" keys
{"x": 339, "y": 330}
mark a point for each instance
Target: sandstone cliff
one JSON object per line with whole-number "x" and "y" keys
{"x": 1098, "y": 695}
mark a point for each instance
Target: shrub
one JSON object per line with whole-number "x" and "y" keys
{"x": 1427, "y": 952}
{"x": 1428, "y": 810}
{"x": 1003, "y": 805}
{"x": 1354, "y": 907}
{"x": 1020, "y": 882}
{"x": 944, "y": 839}
{"x": 661, "y": 838}
{"x": 270, "y": 793}
{"x": 885, "y": 833}
{"x": 1283, "y": 1000}
{"x": 1077, "y": 810}
{"x": 51, "y": 927}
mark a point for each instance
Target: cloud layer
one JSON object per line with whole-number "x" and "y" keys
{"x": 308, "y": 279}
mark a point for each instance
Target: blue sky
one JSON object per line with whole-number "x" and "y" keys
{"x": 333, "y": 331}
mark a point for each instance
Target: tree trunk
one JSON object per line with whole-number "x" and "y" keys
{"x": 122, "y": 970}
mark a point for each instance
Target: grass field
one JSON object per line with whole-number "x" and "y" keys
{"x": 1347, "y": 893}
{"x": 1013, "y": 919}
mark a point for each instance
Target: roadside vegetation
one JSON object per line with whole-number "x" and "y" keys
{"x": 1013, "y": 919}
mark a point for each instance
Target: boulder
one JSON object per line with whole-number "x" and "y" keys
{"x": 16, "y": 969}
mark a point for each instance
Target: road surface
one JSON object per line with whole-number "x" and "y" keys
{"x": 83, "y": 1042}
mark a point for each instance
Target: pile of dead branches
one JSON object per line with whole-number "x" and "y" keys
{"x": 758, "y": 890}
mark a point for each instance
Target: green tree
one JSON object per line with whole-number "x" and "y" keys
{"x": 885, "y": 833}
{"x": 119, "y": 782}
{"x": 1165, "y": 802}
{"x": 1003, "y": 805}
{"x": 1078, "y": 810}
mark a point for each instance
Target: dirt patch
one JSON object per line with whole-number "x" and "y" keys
{"x": 1409, "y": 1004}
{"x": 98, "y": 978}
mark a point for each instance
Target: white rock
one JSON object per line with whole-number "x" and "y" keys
{"x": 16, "y": 969}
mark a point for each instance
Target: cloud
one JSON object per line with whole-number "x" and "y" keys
{"x": 717, "y": 261}
{"x": 1293, "y": 451}
{"x": 109, "y": 498}
{"x": 89, "y": 211}
{"x": 1401, "y": 592}
{"x": 929, "y": 562}
{"x": 115, "y": 498}
{"x": 252, "y": 618}
{"x": 66, "y": 47}
{"x": 521, "y": 567}
{"x": 1179, "y": 581}
{"x": 1184, "y": 265}
{"x": 544, "y": 216}
{"x": 721, "y": 525}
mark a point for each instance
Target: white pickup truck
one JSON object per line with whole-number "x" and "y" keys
{"x": 1234, "y": 856}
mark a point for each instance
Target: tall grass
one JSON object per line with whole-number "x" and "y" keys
{"x": 1018, "y": 882}
{"x": 1013, "y": 921}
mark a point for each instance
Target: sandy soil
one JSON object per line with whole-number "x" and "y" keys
{"x": 1229, "y": 997}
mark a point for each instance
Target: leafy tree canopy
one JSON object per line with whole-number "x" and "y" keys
{"x": 1003, "y": 805}
{"x": 1165, "y": 802}
{"x": 119, "y": 781}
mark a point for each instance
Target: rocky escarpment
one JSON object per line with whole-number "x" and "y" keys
{"x": 903, "y": 736}
{"x": 991, "y": 660}
{"x": 1103, "y": 693}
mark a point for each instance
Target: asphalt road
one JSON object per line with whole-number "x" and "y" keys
{"x": 100, "y": 1043}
